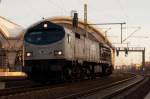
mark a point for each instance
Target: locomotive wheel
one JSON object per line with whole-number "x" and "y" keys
{"x": 88, "y": 73}
{"x": 92, "y": 74}
{"x": 67, "y": 74}
{"x": 106, "y": 70}
{"x": 103, "y": 70}
{"x": 78, "y": 72}
{"x": 83, "y": 73}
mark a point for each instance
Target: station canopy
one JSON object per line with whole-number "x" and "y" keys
{"x": 9, "y": 29}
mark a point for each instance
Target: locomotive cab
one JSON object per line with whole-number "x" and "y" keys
{"x": 44, "y": 50}
{"x": 47, "y": 39}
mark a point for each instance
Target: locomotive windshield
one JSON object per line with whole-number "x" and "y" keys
{"x": 43, "y": 37}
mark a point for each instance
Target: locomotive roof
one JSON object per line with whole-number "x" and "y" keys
{"x": 97, "y": 33}
{"x": 41, "y": 24}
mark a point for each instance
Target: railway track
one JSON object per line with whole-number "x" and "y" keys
{"x": 82, "y": 89}
{"x": 109, "y": 92}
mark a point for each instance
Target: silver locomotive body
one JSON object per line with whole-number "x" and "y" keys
{"x": 54, "y": 52}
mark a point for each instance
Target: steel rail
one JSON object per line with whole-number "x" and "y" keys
{"x": 94, "y": 90}
{"x": 119, "y": 91}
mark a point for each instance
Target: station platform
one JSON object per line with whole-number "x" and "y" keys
{"x": 4, "y": 76}
{"x": 11, "y": 79}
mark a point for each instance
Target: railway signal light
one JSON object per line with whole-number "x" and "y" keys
{"x": 117, "y": 52}
{"x": 126, "y": 51}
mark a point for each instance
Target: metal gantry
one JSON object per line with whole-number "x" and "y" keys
{"x": 132, "y": 49}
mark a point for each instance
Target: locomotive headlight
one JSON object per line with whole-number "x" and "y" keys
{"x": 28, "y": 54}
{"x": 45, "y": 25}
{"x": 59, "y": 52}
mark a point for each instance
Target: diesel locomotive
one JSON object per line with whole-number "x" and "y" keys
{"x": 56, "y": 52}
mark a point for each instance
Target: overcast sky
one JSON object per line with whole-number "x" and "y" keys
{"x": 134, "y": 12}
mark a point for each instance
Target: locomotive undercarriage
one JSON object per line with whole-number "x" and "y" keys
{"x": 64, "y": 70}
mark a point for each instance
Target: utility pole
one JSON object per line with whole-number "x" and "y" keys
{"x": 85, "y": 25}
{"x": 85, "y": 19}
{"x": 121, "y": 32}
